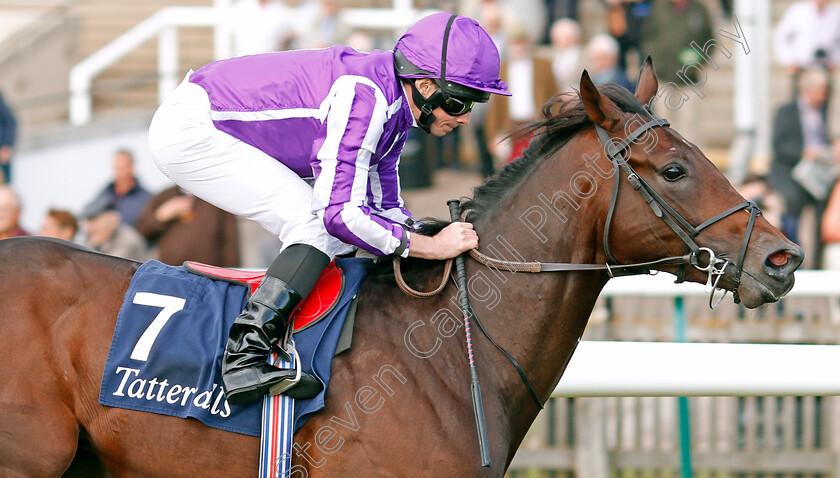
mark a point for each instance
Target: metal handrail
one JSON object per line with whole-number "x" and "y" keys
{"x": 164, "y": 24}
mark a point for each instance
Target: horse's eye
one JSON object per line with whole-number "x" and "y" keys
{"x": 673, "y": 173}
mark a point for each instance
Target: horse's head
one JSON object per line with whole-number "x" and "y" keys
{"x": 682, "y": 203}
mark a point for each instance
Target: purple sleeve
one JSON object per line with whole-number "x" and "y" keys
{"x": 385, "y": 185}
{"x": 353, "y": 128}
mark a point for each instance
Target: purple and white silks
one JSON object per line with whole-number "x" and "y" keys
{"x": 336, "y": 115}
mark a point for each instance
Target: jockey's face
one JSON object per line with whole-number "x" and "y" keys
{"x": 444, "y": 122}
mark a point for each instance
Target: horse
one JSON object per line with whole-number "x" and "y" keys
{"x": 399, "y": 402}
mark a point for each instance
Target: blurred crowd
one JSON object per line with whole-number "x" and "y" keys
{"x": 126, "y": 220}
{"x": 538, "y": 63}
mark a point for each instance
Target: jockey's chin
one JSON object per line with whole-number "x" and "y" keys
{"x": 444, "y": 123}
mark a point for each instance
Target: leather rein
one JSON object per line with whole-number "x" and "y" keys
{"x": 714, "y": 266}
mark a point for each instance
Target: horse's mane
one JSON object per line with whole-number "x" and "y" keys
{"x": 562, "y": 118}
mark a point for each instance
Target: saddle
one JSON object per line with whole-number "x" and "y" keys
{"x": 317, "y": 305}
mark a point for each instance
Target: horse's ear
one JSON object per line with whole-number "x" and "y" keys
{"x": 600, "y": 109}
{"x": 648, "y": 84}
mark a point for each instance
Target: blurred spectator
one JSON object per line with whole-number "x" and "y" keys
{"x": 492, "y": 20}
{"x": 667, "y": 35}
{"x": 755, "y": 188}
{"x": 124, "y": 193}
{"x": 260, "y": 26}
{"x": 531, "y": 84}
{"x": 800, "y": 131}
{"x": 556, "y": 9}
{"x": 808, "y": 35}
{"x": 317, "y": 25}
{"x": 8, "y": 134}
{"x": 360, "y": 40}
{"x": 106, "y": 233}
{"x": 602, "y": 62}
{"x": 183, "y": 228}
{"x": 726, "y": 8}
{"x": 625, "y": 20}
{"x": 566, "y": 62}
{"x": 10, "y": 213}
{"x": 60, "y": 224}
{"x": 489, "y": 15}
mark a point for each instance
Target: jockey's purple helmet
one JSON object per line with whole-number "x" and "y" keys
{"x": 472, "y": 59}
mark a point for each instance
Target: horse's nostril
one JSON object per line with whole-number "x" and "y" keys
{"x": 779, "y": 258}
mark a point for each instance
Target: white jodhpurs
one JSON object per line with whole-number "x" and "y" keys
{"x": 233, "y": 175}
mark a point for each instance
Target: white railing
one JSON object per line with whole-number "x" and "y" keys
{"x": 657, "y": 369}
{"x": 617, "y": 369}
{"x": 164, "y": 24}
{"x": 664, "y": 369}
{"x": 398, "y": 18}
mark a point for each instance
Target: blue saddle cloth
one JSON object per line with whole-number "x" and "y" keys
{"x": 170, "y": 335}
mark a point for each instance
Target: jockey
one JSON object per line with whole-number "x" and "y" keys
{"x": 307, "y": 144}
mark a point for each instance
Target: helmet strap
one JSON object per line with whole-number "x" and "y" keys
{"x": 426, "y": 106}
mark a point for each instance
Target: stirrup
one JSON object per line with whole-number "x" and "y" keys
{"x": 291, "y": 352}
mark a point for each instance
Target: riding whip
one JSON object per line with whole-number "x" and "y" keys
{"x": 466, "y": 310}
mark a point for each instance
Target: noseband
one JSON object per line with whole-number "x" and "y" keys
{"x": 714, "y": 266}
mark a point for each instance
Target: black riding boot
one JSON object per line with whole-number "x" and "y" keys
{"x": 246, "y": 373}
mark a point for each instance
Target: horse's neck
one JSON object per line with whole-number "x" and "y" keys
{"x": 538, "y": 318}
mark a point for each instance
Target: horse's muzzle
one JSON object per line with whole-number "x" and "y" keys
{"x": 781, "y": 264}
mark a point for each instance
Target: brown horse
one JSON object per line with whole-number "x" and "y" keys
{"x": 399, "y": 402}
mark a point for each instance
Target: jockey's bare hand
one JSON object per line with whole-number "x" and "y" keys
{"x": 451, "y": 241}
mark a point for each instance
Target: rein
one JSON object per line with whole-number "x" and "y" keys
{"x": 714, "y": 266}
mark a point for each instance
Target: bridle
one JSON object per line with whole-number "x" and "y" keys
{"x": 714, "y": 266}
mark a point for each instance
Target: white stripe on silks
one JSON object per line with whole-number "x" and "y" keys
{"x": 352, "y": 217}
{"x": 395, "y": 106}
{"x": 368, "y": 230}
{"x": 277, "y": 431}
{"x": 395, "y": 214}
{"x": 375, "y": 187}
{"x": 376, "y": 183}
{"x": 266, "y": 114}
{"x": 336, "y": 110}
{"x": 358, "y": 193}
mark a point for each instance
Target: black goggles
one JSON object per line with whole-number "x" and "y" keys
{"x": 454, "y": 106}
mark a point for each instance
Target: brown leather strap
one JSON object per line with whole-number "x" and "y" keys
{"x": 447, "y": 269}
{"x": 509, "y": 266}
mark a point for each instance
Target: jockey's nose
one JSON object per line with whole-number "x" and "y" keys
{"x": 464, "y": 119}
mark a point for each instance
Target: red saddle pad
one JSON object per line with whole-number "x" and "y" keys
{"x": 320, "y": 302}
